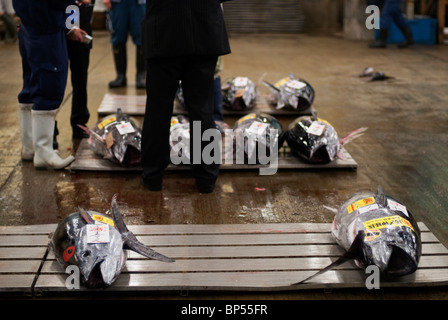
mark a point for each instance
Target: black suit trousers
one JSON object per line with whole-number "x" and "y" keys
{"x": 163, "y": 76}
{"x": 79, "y": 55}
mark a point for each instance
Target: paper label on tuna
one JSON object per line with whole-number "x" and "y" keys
{"x": 124, "y": 128}
{"x": 105, "y": 122}
{"x": 282, "y": 82}
{"x": 372, "y": 234}
{"x": 316, "y": 128}
{"x": 97, "y": 233}
{"x": 240, "y": 81}
{"x": 368, "y": 208}
{"x": 246, "y": 117}
{"x": 360, "y": 203}
{"x": 397, "y": 207}
{"x": 295, "y": 84}
{"x": 387, "y": 222}
{"x": 103, "y": 219}
{"x": 257, "y": 128}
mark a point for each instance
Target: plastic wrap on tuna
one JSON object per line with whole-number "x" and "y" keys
{"x": 180, "y": 137}
{"x": 291, "y": 93}
{"x": 313, "y": 139}
{"x": 239, "y": 93}
{"x": 253, "y": 137}
{"x": 179, "y": 98}
{"x": 97, "y": 245}
{"x": 117, "y": 138}
{"x": 75, "y": 241}
{"x": 391, "y": 236}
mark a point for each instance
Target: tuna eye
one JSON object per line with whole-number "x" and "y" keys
{"x": 85, "y": 254}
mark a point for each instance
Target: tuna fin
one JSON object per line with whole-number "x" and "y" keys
{"x": 86, "y": 216}
{"x": 381, "y": 196}
{"x": 92, "y": 133}
{"x": 129, "y": 239}
{"x": 271, "y": 86}
{"x": 354, "y": 252}
{"x": 341, "y": 156}
{"x": 334, "y": 210}
{"x": 352, "y": 135}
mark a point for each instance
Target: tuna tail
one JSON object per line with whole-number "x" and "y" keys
{"x": 352, "y": 135}
{"x": 271, "y": 86}
{"x": 129, "y": 239}
{"x": 381, "y": 197}
{"x": 354, "y": 252}
{"x": 92, "y": 133}
{"x": 334, "y": 210}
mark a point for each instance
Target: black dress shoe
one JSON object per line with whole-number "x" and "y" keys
{"x": 206, "y": 189}
{"x": 151, "y": 187}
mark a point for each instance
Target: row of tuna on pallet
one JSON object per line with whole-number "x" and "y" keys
{"x": 118, "y": 136}
{"x": 373, "y": 228}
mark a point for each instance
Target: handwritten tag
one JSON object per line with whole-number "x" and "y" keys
{"x": 124, "y": 128}
{"x": 98, "y": 233}
{"x": 316, "y": 128}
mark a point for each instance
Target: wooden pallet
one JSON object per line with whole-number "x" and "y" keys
{"x": 87, "y": 160}
{"x": 135, "y": 106}
{"x": 242, "y": 257}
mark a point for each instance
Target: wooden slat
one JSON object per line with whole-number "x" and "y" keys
{"x": 257, "y": 257}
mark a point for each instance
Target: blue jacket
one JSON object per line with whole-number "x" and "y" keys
{"x": 42, "y": 17}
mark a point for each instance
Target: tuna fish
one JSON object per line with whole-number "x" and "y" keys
{"x": 254, "y": 131}
{"x": 239, "y": 93}
{"x": 180, "y": 136}
{"x": 291, "y": 93}
{"x": 117, "y": 138}
{"x": 315, "y": 140}
{"x": 97, "y": 244}
{"x": 375, "y": 229}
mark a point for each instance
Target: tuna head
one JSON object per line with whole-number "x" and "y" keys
{"x": 392, "y": 243}
{"x": 99, "y": 255}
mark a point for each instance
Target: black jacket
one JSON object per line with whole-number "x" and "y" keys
{"x": 184, "y": 27}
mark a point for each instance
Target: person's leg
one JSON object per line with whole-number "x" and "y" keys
{"x": 385, "y": 21}
{"x": 119, "y": 33}
{"x": 48, "y": 60}
{"x": 25, "y": 104}
{"x": 161, "y": 84}
{"x": 137, "y": 14}
{"x": 217, "y": 98}
{"x": 400, "y": 22}
{"x": 198, "y": 90}
{"x": 79, "y": 55}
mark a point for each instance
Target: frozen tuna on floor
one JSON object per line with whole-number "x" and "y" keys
{"x": 256, "y": 135}
{"x": 316, "y": 140}
{"x": 291, "y": 93}
{"x": 239, "y": 93}
{"x": 97, "y": 244}
{"x": 180, "y": 137}
{"x": 376, "y": 229}
{"x": 117, "y": 137}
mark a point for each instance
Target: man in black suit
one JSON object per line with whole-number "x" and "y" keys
{"x": 182, "y": 41}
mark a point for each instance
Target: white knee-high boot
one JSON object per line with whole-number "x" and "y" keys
{"x": 26, "y": 131}
{"x": 43, "y": 130}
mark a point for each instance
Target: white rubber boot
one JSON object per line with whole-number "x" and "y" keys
{"x": 43, "y": 130}
{"x": 26, "y": 131}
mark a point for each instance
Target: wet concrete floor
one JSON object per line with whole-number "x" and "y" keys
{"x": 404, "y": 150}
